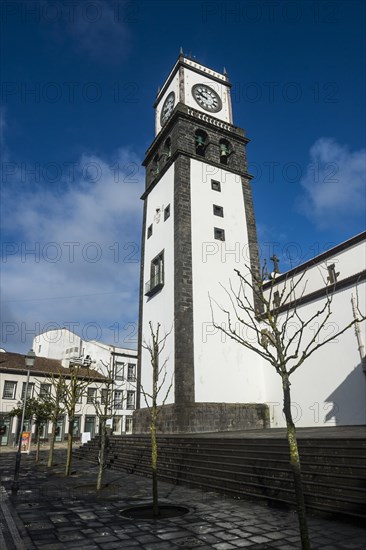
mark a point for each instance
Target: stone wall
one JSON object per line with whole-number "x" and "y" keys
{"x": 204, "y": 417}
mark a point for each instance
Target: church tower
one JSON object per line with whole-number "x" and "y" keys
{"x": 198, "y": 226}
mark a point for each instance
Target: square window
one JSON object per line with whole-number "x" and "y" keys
{"x": 44, "y": 390}
{"x": 218, "y": 211}
{"x": 9, "y": 390}
{"x": 167, "y": 212}
{"x": 215, "y": 185}
{"x": 219, "y": 234}
{"x": 149, "y": 231}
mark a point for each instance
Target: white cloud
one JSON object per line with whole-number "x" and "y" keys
{"x": 334, "y": 183}
{"x": 85, "y": 238}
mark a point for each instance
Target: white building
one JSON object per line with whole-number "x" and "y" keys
{"x": 13, "y": 376}
{"x": 66, "y": 346}
{"x": 198, "y": 227}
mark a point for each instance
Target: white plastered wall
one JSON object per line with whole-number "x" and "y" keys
{"x": 224, "y": 372}
{"x": 160, "y": 306}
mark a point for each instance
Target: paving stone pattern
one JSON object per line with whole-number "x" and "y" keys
{"x": 54, "y": 513}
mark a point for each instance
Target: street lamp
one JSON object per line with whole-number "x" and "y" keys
{"x": 29, "y": 362}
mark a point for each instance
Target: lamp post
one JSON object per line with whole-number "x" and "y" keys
{"x": 29, "y": 362}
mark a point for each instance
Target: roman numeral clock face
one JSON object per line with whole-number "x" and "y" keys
{"x": 207, "y": 98}
{"x": 167, "y": 109}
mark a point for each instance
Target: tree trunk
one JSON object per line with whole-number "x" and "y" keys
{"x": 52, "y": 443}
{"x": 295, "y": 465}
{"x": 154, "y": 466}
{"x": 102, "y": 452}
{"x": 69, "y": 447}
{"x": 38, "y": 443}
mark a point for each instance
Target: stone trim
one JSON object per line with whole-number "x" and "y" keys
{"x": 183, "y": 291}
{"x": 141, "y": 302}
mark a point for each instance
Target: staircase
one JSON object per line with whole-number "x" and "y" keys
{"x": 333, "y": 470}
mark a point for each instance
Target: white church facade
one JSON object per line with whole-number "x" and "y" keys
{"x": 197, "y": 207}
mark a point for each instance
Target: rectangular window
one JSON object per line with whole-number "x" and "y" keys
{"x": 76, "y": 426}
{"x": 156, "y": 275}
{"x": 128, "y": 427}
{"x": 39, "y": 348}
{"x": 149, "y": 231}
{"x": 9, "y": 390}
{"x": 118, "y": 400}
{"x": 167, "y": 212}
{"x": 44, "y": 390}
{"x": 116, "y": 427}
{"x": 130, "y": 399}
{"x": 131, "y": 372}
{"x": 218, "y": 210}
{"x": 119, "y": 371}
{"x": 29, "y": 392}
{"x": 215, "y": 185}
{"x": 91, "y": 395}
{"x": 104, "y": 396}
{"x": 219, "y": 234}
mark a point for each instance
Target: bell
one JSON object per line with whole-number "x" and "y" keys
{"x": 223, "y": 150}
{"x": 200, "y": 142}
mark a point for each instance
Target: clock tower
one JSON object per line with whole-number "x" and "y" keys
{"x": 198, "y": 226}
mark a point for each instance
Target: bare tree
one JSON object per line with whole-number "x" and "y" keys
{"x": 72, "y": 390}
{"x": 267, "y": 329}
{"x": 104, "y": 411}
{"x": 57, "y": 382}
{"x": 155, "y": 347}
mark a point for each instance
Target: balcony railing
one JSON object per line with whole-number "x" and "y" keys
{"x": 155, "y": 284}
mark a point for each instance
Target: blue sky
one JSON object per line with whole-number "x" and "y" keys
{"x": 78, "y": 80}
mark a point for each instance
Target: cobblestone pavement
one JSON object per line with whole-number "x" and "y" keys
{"x": 52, "y": 512}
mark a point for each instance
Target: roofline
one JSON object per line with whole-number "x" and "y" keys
{"x": 318, "y": 259}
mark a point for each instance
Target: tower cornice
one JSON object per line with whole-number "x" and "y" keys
{"x": 196, "y": 67}
{"x": 195, "y": 116}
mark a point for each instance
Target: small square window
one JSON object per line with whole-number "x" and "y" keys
{"x": 218, "y": 211}
{"x": 9, "y": 389}
{"x": 219, "y": 234}
{"x": 215, "y": 185}
{"x": 167, "y": 212}
{"x": 149, "y": 231}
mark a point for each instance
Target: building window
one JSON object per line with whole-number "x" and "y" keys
{"x": 130, "y": 399}
{"x": 118, "y": 400}
{"x": 129, "y": 424}
{"x": 167, "y": 212}
{"x": 9, "y": 390}
{"x": 91, "y": 395}
{"x": 156, "y": 275}
{"x": 219, "y": 234}
{"x": 149, "y": 231}
{"x": 131, "y": 372}
{"x": 44, "y": 390}
{"x": 119, "y": 371}
{"x": 215, "y": 185}
{"x": 104, "y": 396}
{"x": 76, "y": 426}
{"x": 39, "y": 348}
{"x": 116, "y": 426}
{"x": 29, "y": 392}
{"x": 218, "y": 211}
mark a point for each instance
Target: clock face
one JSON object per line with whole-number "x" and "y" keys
{"x": 167, "y": 109}
{"x": 207, "y": 98}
